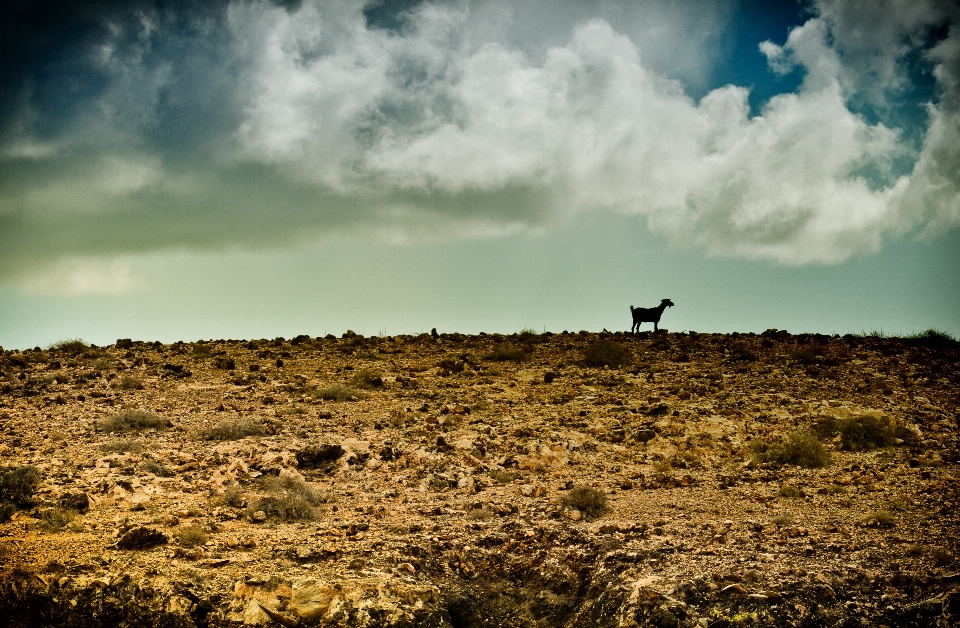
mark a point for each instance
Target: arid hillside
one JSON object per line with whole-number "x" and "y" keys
{"x": 443, "y": 480}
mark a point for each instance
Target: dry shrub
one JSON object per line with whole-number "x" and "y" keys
{"x": 128, "y": 382}
{"x": 292, "y": 499}
{"x": 56, "y": 519}
{"x": 17, "y": 484}
{"x": 789, "y": 491}
{"x": 507, "y": 353}
{"x": 604, "y": 353}
{"x": 480, "y": 514}
{"x": 503, "y": 476}
{"x": 859, "y": 433}
{"x": 367, "y": 380}
{"x": 942, "y": 557}
{"x": 586, "y": 499}
{"x": 233, "y": 429}
{"x": 122, "y": 446}
{"x": 879, "y": 518}
{"x": 799, "y": 448}
{"x": 783, "y": 520}
{"x": 191, "y": 535}
{"x": 72, "y": 346}
{"x": 338, "y": 393}
{"x": 133, "y": 421}
{"x": 156, "y": 468}
{"x": 233, "y": 497}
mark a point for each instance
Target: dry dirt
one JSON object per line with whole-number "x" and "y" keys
{"x": 459, "y": 482}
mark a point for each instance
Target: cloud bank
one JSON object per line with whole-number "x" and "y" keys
{"x": 147, "y": 126}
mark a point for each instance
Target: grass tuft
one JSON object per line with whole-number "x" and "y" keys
{"x": 933, "y": 339}
{"x": 71, "y": 346}
{"x": 338, "y": 393}
{"x": 133, "y": 421}
{"x": 292, "y": 499}
{"x": 233, "y": 429}
{"x": 191, "y": 535}
{"x": 507, "y": 353}
{"x": 17, "y": 486}
{"x": 860, "y": 433}
{"x": 586, "y": 499}
{"x": 879, "y": 518}
{"x": 128, "y": 382}
{"x": 122, "y": 446}
{"x": 783, "y": 520}
{"x": 604, "y": 353}
{"x": 802, "y": 449}
{"x": 156, "y": 468}
{"x": 367, "y": 380}
{"x": 56, "y": 519}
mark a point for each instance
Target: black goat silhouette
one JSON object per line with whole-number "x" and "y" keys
{"x": 648, "y": 314}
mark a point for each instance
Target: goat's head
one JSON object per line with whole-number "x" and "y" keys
{"x": 666, "y": 303}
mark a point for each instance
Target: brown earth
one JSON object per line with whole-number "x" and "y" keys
{"x": 459, "y": 481}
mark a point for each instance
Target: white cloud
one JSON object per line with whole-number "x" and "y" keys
{"x": 81, "y": 277}
{"x": 589, "y": 124}
{"x": 328, "y": 124}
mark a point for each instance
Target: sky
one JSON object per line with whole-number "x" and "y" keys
{"x": 252, "y": 169}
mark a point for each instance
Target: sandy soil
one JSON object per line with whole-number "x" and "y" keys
{"x": 460, "y": 481}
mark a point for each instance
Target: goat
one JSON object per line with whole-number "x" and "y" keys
{"x": 648, "y": 314}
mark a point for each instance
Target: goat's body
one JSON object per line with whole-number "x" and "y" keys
{"x": 648, "y": 315}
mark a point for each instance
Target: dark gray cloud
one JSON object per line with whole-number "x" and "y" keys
{"x": 134, "y": 127}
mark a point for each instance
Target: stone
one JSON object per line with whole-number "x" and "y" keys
{"x": 76, "y": 501}
{"x": 141, "y": 538}
{"x": 258, "y": 517}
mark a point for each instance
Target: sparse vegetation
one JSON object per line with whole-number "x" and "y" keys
{"x": 232, "y": 497}
{"x": 367, "y": 380}
{"x": 17, "y": 487}
{"x": 191, "y": 535}
{"x": 234, "y": 429}
{"x": 338, "y": 393}
{"x": 504, "y": 476}
{"x": 799, "y": 448}
{"x": 783, "y": 520}
{"x": 878, "y": 518}
{"x": 932, "y": 338}
{"x": 292, "y": 499}
{"x": 859, "y": 433}
{"x": 605, "y": 353}
{"x": 467, "y": 471}
{"x": 588, "y": 500}
{"x": 132, "y": 421}
{"x": 507, "y": 353}
{"x": 942, "y": 557}
{"x": 56, "y": 519}
{"x": 70, "y": 346}
{"x": 156, "y": 468}
{"x": 122, "y": 446}
{"x": 789, "y": 491}
{"x": 128, "y": 382}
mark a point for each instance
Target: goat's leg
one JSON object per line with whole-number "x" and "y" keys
{"x": 655, "y": 330}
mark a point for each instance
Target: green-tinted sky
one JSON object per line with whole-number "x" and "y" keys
{"x": 256, "y": 169}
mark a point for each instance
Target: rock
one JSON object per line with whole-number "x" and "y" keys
{"x": 75, "y": 501}
{"x": 141, "y": 538}
{"x": 318, "y": 456}
{"x": 311, "y": 599}
{"x": 258, "y": 517}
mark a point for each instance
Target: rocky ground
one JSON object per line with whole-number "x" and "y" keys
{"x": 572, "y": 479}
